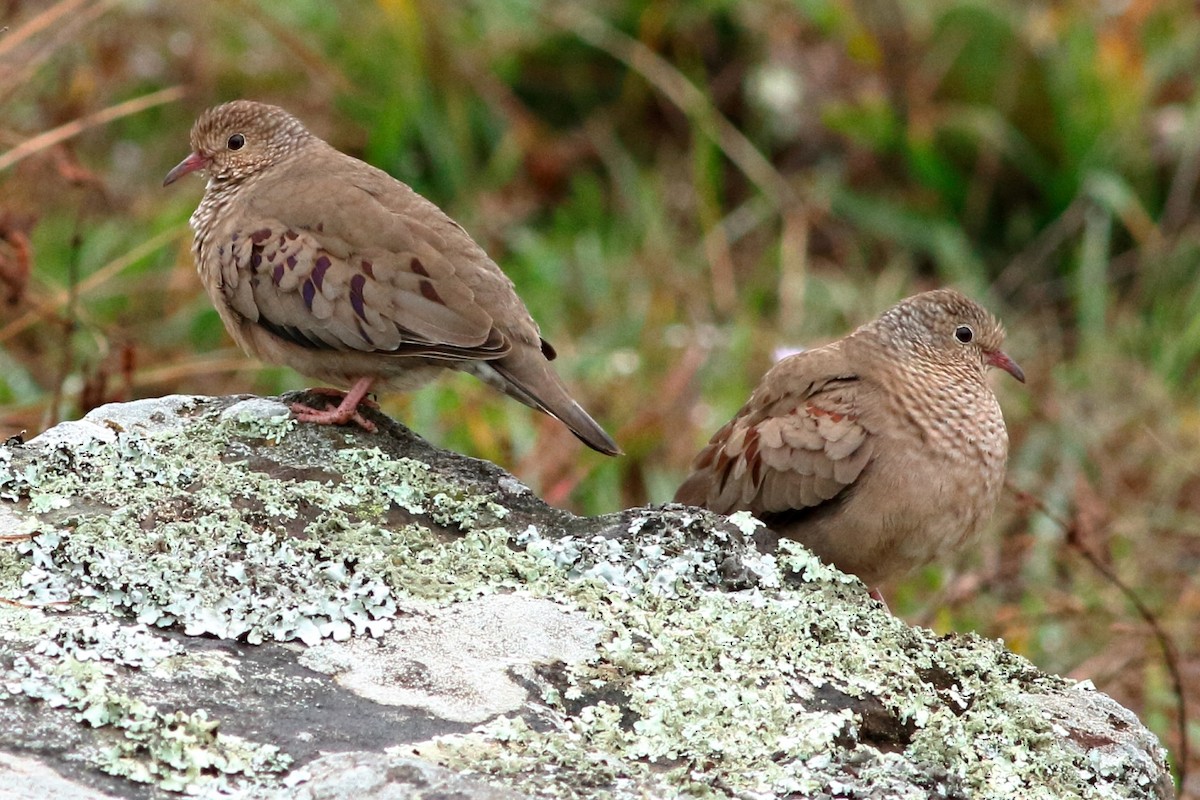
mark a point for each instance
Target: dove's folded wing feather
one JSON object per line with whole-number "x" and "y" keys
{"x": 305, "y": 270}
{"x": 798, "y": 443}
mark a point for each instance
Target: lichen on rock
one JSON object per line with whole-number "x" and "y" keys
{"x": 195, "y": 530}
{"x": 72, "y": 667}
{"x": 432, "y": 606}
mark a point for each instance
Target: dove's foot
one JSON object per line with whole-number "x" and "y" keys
{"x": 345, "y": 411}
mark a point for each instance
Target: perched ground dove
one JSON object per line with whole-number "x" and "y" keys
{"x": 881, "y": 451}
{"x": 319, "y": 261}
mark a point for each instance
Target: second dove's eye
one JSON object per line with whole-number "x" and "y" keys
{"x": 964, "y": 334}
{"x": 236, "y": 141}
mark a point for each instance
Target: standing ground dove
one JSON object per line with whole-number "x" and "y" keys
{"x": 879, "y": 452}
{"x": 319, "y": 261}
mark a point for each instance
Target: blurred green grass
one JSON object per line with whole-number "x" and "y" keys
{"x": 677, "y": 189}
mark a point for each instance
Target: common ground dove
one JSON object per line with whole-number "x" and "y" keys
{"x": 880, "y": 451}
{"x": 326, "y": 264}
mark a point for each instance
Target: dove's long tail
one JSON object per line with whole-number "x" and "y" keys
{"x": 528, "y": 377}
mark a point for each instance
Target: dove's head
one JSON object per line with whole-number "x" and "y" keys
{"x": 944, "y": 329}
{"x": 235, "y": 140}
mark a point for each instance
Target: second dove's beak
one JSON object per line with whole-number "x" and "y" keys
{"x": 193, "y": 162}
{"x": 999, "y": 359}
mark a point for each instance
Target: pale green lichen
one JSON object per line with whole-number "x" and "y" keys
{"x": 692, "y": 691}
{"x": 272, "y": 427}
{"x": 94, "y": 639}
{"x": 660, "y": 564}
{"x": 162, "y": 527}
{"x": 716, "y": 688}
{"x": 73, "y": 667}
{"x": 174, "y": 750}
{"x": 12, "y": 564}
{"x": 411, "y": 485}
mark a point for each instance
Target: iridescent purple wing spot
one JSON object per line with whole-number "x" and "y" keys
{"x": 319, "y": 269}
{"x": 356, "y": 295}
{"x": 430, "y": 293}
{"x": 363, "y": 333}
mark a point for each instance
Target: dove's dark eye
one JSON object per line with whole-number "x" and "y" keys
{"x": 236, "y": 141}
{"x": 964, "y": 333}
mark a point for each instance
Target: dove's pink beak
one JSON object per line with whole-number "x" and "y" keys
{"x": 193, "y": 162}
{"x": 995, "y": 358}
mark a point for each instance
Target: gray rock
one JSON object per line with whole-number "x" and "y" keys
{"x": 383, "y": 776}
{"x": 209, "y": 598}
{"x": 23, "y": 778}
{"x": 467, "y": 663}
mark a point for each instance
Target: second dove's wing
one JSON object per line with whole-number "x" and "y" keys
{"x": 795, "y": 445}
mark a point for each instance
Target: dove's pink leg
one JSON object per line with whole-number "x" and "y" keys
{"x": 329, "y": 391}
{"x": 346, "y": 411}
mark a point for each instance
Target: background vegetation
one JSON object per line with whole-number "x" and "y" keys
{"x": 678, "y": 189}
